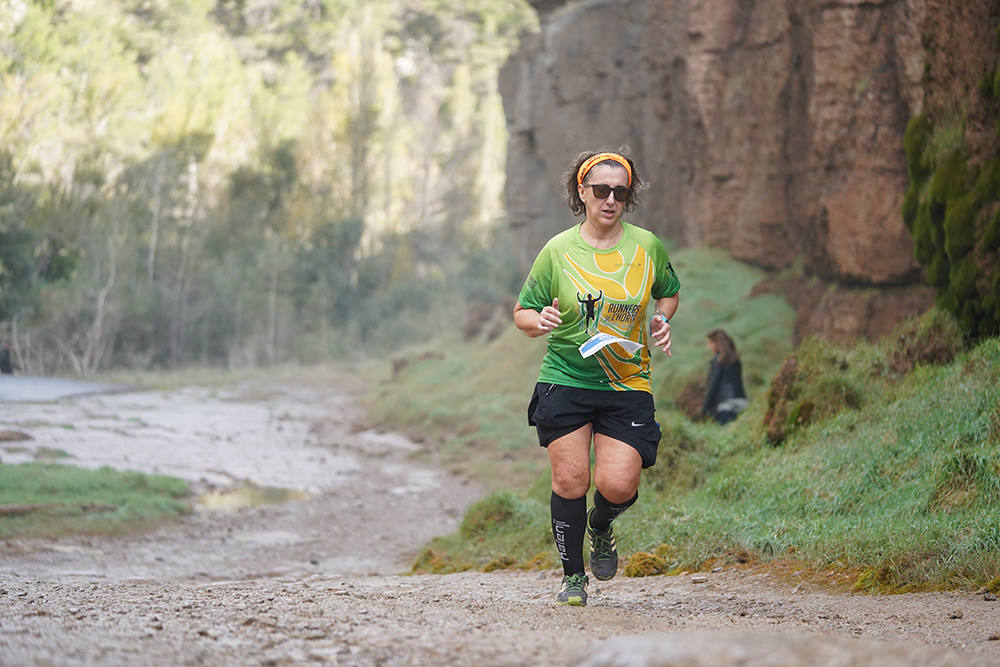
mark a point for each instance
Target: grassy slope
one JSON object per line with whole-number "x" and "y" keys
{"x": 903, "y": 489}
{"x": 900, "y": 487}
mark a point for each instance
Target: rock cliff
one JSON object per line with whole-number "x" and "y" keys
{"x": 771, "y": 128}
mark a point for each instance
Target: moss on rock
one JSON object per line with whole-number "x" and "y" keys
{"x": 952, "y": 209}
{"x": 645, "y": 564}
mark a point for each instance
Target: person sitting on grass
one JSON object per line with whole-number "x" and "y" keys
{"x": 725, "y": 397}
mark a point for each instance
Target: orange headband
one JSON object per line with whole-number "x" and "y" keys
{"x": 601, "y": 157}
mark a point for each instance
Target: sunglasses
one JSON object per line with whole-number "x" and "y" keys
{"x": 602, "y": 190}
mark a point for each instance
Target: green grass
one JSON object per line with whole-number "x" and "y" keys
{"x": 890, "y": 478}
{"x": 514, "y": 529}
{"x": 907, "y": 484}
{"x": 68, "y": 500}
{"x": 901, "y": 491}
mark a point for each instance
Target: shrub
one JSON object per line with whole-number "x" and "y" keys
{"x": 931, "y": 338}
{"x": 817, "y": 382}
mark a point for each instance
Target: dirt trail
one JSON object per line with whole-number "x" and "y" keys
{"x": 318, "y": 580}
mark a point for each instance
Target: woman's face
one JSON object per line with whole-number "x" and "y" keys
{"x": 712, "y": 347}
{"x": 605, "y": 212}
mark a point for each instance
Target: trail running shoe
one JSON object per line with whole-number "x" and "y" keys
{"x": 603, "y": 554}
{"x": 573, "y": 591}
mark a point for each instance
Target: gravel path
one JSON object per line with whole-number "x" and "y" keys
{"x": 320, "y": 579}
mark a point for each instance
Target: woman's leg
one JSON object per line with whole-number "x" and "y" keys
{"x": 616, "y": 476}
{"x": 616, "y": 470}
{"x": 569, "y": 457}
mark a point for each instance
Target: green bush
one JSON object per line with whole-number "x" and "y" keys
{"x": 931, "y": 338}
{"x": 817, "y": 382}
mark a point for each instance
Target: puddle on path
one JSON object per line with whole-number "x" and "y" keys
{"x": 248, "y": 495}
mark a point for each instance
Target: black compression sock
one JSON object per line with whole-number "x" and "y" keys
{"x": 569, "y": 520}
{"x": 605, "y": 512}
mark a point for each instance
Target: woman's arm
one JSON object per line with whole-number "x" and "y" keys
{"x": 668, "y": 305}
{"x": 659, "y": 328}
{"x": 537, "y": 323}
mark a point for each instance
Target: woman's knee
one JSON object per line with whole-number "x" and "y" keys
{"x": 570, "y": 482}
{"x": 617, "y": 485}
{"x": 618, "y": 468}
{"x": 617, "y": 491}
{"x": 569, "y": 458}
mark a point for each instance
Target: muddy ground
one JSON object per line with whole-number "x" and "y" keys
{"x": 321, "y": 577}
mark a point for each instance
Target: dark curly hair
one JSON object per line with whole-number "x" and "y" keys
{"x": 573, "y": 200}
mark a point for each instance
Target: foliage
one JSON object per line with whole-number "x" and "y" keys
{"x": 952, "y": 208}
{"x": 908, "y": 479}
{"x": 238, "y": 184}
{"x": 932, "y": 338}
{"x": 29, "y": 258}
{"x": 66, "y": 499}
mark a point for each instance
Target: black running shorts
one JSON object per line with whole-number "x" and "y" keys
{"x": 556, "y": 410}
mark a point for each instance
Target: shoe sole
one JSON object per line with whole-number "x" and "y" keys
{"x": 574, "y": 602}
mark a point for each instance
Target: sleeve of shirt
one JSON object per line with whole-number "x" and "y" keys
{"x": 536, "y": 292}
{"x": 666, "y": 282}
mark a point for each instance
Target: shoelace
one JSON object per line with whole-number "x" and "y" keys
{"x": 576, "y": 582}
{"x": 603, "y": 546}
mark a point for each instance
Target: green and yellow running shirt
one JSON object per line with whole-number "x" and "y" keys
{"x": 599, "y": 291}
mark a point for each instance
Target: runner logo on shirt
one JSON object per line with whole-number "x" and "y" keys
{"x": 588, "y": 312}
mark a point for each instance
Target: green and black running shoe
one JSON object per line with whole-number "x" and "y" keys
{"x": 603, "y": 554}
{"x": 573, "y": 591}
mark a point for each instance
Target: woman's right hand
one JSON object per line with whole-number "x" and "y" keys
{"x": 549, "y": 317}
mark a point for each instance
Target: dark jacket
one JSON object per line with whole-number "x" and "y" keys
{"x": 725, "y": 397}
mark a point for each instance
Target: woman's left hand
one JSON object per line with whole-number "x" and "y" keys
{"x": 660, "y": 333}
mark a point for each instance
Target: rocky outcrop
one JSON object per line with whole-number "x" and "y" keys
{"x": 771, "y": 128}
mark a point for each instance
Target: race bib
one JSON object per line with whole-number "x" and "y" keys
{"x": 600, "y": 340}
